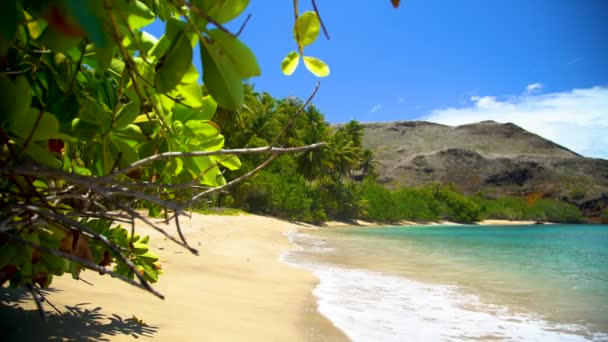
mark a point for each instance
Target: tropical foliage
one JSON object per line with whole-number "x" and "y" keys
{"x": 339, "y": 181}
{"x": 98, "y": 118}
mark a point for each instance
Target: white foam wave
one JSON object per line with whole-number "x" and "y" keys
{"x": 371, "y": 306}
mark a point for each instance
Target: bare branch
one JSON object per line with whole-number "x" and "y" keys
{"x": 243, "y": 26}
{"x": 238, "y": 151}
{"x": 204, "y": 15}
{"x": 238, "y": 180}
{"x": 314, "y": 6}
{"x": 41, "y": 311}
{"x": 43, "y": 299}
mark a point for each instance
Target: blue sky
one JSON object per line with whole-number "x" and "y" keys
{"x": 439, "y": 60}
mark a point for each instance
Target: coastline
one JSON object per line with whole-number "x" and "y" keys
{"x": 360, "y": 223}
{"x": 238, "y": 287}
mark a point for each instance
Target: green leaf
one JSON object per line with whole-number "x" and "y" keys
{"x": 189, "y": 94}
{"x": 15, "y": 97}
{"x": 131, "y": 133}
{"x": 92, "y": 112}
{"x": 61, "y": 66}
{"x": 290, "y": 63}
{"x": 191, "y": 76}
{"x": 155, "y": 211}
{"x": 42, "y": 156}
{"x": 35, "y": 27}
{"x": 80, "y": 170}
{"x": 316, "y": 66}
{"x": 122, "y": 148}
{"x": 103, "y": 158}
{"x": 211, "y": 145}
{"x": 308, "y": 26}
{"x": 151, "y": 257}
{"x": 221, "y": 77}
{"x": 208, "y": 109}
{"x": 176, "y": 166}
{"x": 146, "y": 41}
{"x": 173, "y": 65}
{"x": 47, "y": 127}
{"x": 8, "y": 24}
{"x": 126, "y": 114}
{"x": 138, "y": 14}
{"x": 23, "y": 96}
{"x": 55, "y": 40}
{"x": 242, "y": 57}
{"x": 175, "y": 28}
{"x": 202, "y": 130}
{"x": 231, "y": 162}
{"x": 222, "y": 11}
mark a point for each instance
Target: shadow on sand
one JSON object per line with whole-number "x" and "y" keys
{"x": 81, "y": 322}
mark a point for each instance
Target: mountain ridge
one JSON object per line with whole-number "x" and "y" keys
{"x": 488, "y": 157}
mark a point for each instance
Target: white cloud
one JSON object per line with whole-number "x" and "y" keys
{"x": 576, "y": 60}
{"x": 401, "y": 100}
{"x": 375, "y": 108}
{"x": 576, "y": 119}
{"x": 534, "y": 87}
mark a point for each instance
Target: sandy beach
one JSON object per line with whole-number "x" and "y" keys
{"x": 237, "y": 289}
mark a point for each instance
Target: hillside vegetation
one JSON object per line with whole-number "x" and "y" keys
{"x": 358, "y": 175}
{"x": 487, "y": 158}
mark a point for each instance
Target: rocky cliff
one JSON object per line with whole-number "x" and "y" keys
{"x": 487, "y": 157}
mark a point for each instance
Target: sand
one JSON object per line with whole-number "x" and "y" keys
{"x": 505, "y": 223}
{"x": 237, "y": 289}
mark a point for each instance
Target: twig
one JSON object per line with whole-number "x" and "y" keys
{"x": 136, "y": 215}
{"x": 297, "y": 30}
{"x": 239, "y": 151}
{"x": 41, "y": 311}
{"x": 202, "y": 13}
{"x": 46, "y": 300}
{"x": 73, "y": 81}
{"x": 30, "y": 136}
{"x": 235, "y": 181}
{"x": 243, "y": 26}
{"x": 84, "y": 281}
{"x": 181, "y": 235}
{"x": 314, "y": 6}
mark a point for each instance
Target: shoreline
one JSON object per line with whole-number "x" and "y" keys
{"x": 360, "y": 223}
{"x": 238, "y": 287}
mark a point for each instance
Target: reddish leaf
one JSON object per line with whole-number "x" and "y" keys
{"x": 66, "y": 243}
{"x": 107, "y": 259}
{"x": 56, "y": 145}
{"x": 41, "y": 279}
{"x": 7, "y": 273}
{"x": 35, "y": 256}
{"x": 81, "y": 247}
{"x": 63, "y": 23}
{"x": 395, "y": 3}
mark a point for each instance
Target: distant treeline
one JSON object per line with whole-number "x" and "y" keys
{"x": 339, "y": 180}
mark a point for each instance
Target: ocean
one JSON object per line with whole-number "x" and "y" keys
{"x": 461, "y": 282}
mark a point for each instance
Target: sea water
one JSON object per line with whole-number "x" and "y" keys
{"x": 456, "y": 283}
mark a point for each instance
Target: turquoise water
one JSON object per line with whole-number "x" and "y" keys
{"x": 546, "y": 282}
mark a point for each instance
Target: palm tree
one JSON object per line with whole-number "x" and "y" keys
{"x": 343, "y": 155}
{"x": 355, "y": 131}
{"x": 312, "y": 128}
{"x": 367, "y": 163}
